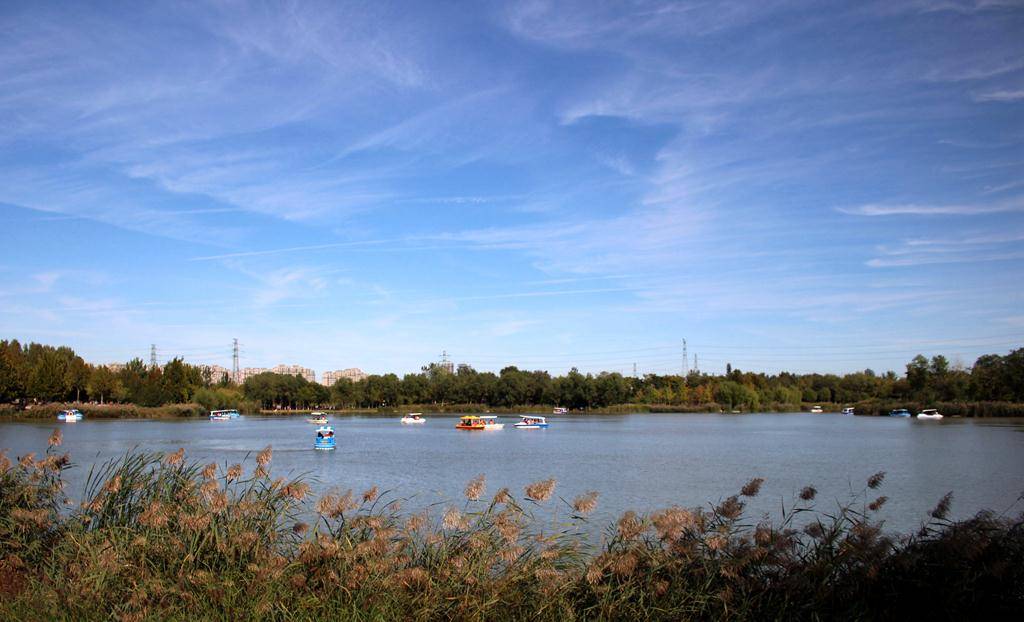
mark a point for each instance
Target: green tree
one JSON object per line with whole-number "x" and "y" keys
{"x": 105, "y": 385}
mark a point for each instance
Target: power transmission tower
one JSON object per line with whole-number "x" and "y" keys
{"x": 686, "y": 359}
{"x": 445, "y": 363}
{"x": 634, "y": 370}
{"x": 234, "y": 362}
{"x": 152, "y": 355}
{"x": 696, "y": 367}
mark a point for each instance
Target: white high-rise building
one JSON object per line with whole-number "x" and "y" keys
{"x": 295, "y": 370}
{"x": 249, "y": 372}
{"x": 352, "y": 373}
{"x": 216, "y": 372}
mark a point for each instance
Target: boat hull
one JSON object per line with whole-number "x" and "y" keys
{"x": 530, "y": 426}
{"x": 929, "y": 416}
{"x": 413, "y": 421}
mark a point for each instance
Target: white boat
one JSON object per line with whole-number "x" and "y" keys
{"x": 532, "y": 422}
{"x": 558, "y": 410}
{"x": 848, "y": 410}
{"x": 817, "y": 409}
{"x": 70, "y": 416}
{"x": 491, "y": 422}
{"x": 929, "y": 413}
{"x": 224, "y": 415}
{"x": 320, "y": 418}
{"x": 413, "y": 418}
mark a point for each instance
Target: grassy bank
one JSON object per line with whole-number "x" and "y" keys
{"x": 949, "y": 409}
{"x": 158, "y": 537}
{"x": 105, "y": 411}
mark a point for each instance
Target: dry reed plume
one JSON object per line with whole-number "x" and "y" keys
{"x": 158, "y": 538}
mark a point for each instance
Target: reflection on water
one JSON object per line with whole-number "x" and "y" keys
{"x": 639, "y": 462}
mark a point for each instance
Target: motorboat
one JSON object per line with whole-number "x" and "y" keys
{"x": 413, "y": 418}
{"x": 324, "y": 438}
{"x": 470, "y": 422}
{"x": 320, "y": 418}
{"x": 70, "y": 416}
{"x": 848, "y": 410}
{"x": 491, "y": 422}
{"x": 899, "y": 412}
{"x": 532, "y": 422}
{"x": 929, "y": 413}
{"x": 558, "y": 410}
{"x": 224, "y": 415}
{"x": 479, "y": 422}
{"x": 817, "y": 409}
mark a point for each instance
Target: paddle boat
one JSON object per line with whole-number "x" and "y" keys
{"x": 559, "y": 411}
{"x": 532, "y": 422}
{"x": 413, "y": 418}
{"x": 479, "y": 422}
{"x": 320, "y": 418}
{"x": 848, "y": 410}
{"x": 816, "y": 409}
{"x": 899, "y": 412}
{"x": 324, "y": 438}
{"x": 224, "y": 415}
{"x": 70, "y": 416}
{"x": 929, "y": 413}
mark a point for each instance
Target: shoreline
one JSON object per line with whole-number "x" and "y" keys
{"x": 973, "y": 410}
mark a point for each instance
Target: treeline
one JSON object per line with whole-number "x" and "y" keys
{"x": 41, "y": 373}
{"x": 993, "y": 378}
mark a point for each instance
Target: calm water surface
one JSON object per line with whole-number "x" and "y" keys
{"x": 639, "y": 462}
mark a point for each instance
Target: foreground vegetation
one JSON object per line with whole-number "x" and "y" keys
{"x": 38, "y": 373}
{"x": 157, "y": 537}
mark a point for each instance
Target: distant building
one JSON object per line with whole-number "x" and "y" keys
{"x": 114, "y": 367}
{"x": 352, "y": 373}
{"x": 295, "y": 370}
{"x": 249, "y": 372}
{"x": 216, "y": 373}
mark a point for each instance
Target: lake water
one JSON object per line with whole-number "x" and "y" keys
{"x": 639, "y": 462}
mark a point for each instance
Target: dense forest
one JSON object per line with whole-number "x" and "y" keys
{"x": 41, "y": 373}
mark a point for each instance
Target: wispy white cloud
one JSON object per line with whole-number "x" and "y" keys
{"x": 970, "y": 247}
{"x": 1000, "y": 96}
{"x": 924, "y": 259}
{"x": 294, "y": 249}
{"x": 912, "y": 209}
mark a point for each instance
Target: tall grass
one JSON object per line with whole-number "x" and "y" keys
{"x": 105, "y": 411}
{"x": 159, "y": 537}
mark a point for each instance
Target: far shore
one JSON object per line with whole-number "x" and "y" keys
{"x": 176, "y": 411}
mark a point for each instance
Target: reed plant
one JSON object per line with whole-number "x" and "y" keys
{"x": 157, "y": 536}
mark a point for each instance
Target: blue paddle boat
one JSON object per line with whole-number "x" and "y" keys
{"x": 69, "y": 416}
{"x": 324, "y": 438}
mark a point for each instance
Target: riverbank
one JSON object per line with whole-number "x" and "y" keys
{"x": 865, "y": 408}
{"x": 104, "y": 411}
{"x": 159, "y": 537}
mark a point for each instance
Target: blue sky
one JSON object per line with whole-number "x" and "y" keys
{"x": 787, "y": 185}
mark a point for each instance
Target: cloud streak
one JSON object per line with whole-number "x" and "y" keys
{"x": 912, "y": 209}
